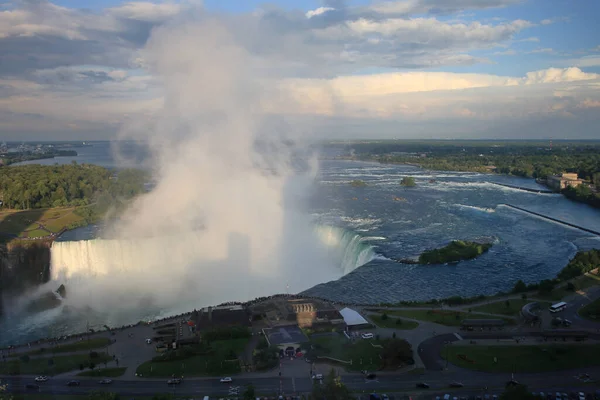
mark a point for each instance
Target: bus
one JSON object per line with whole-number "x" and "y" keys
{"x": 558, "y": 307}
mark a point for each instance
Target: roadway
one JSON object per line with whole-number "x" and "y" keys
{"x": 474, "y": 382}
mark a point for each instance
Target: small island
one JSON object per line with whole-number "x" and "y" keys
{"x": 358, "y": 183}
{"x": 408, "y": 181}
{"x": 457, "y": 250}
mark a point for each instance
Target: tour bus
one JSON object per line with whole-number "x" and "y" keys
{"x": 558, "y": 307}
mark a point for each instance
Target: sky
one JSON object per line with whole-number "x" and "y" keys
{"x": 356, "y": 69}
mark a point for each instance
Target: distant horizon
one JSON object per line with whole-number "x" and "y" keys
{"x": 336, "y": 141}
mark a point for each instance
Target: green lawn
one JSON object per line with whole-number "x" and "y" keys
{"x": 54, "y": 219}
{"x": 523, "y": 358}
{"x": 36, "y": 233}
{"x": 93, "y": 343}
{"x": 513, "y": 309}
{"x": 361, "y": 352}
{"x": 591, "y": 311}
{"x": 42, "y": 365}
{"x": 442, "y": 317}
{"x": 104, "y": 372}
{"x": 213, "y": 364}
{"x": 392, "y": 322}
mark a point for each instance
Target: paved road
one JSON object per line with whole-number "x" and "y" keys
{"x": 473, "y": 381}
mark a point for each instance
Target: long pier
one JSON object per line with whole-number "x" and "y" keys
{"x": 554, "y": 220}
{"x": 524, "y": 188}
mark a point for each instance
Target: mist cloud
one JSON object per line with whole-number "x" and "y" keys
{"x": 225, "y": 220}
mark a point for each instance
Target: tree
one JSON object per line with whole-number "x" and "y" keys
{"x": 384, "y": 316}
{"x": 518, "y": 392}
{"x": 524, "y": 296}
{"x": 408, "y": 181}
{"x": 546, "y": 286}
{"x": 331, "y": 389}
{"x": 507, "y": 304}
{"x": 3, "y": 395}
{"x": 396, "y": 352}
{"x": 520, "y": 287}
{"x": 249, "y": 393}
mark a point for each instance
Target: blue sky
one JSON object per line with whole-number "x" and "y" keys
{"x": 352, "y": 67}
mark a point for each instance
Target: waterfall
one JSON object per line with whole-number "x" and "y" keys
{"x": 351, "y": 250}
{"x": 120, "y": 257}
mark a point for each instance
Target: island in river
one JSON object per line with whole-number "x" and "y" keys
{"x": 457, "y": 250}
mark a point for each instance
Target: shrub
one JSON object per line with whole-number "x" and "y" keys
{"x": 398, "y": 321}
{"x": 93, "y": 354}
{"x": 384, "y": 316}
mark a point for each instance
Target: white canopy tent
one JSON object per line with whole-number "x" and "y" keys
{"x": 352, "y": 318}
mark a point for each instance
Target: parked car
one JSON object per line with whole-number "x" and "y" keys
{"x": 456, "y": 385}
{"x": 227, "y": 379}
{"x": 73, "y": 383}
{"x": 41, "y": 378}
{"x": 317, "y": 377}
{"x": 423, "y": 385}
{"x": 367, "y": 336}
{"x": 105, "y": 381}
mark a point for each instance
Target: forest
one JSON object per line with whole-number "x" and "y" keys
{"x": 38, "y": 186}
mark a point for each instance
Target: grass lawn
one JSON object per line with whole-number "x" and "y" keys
{"x": 524, "y": 358}
{"x": 361, "y": 352}
{"x": 36, "y": 233}
{"x": 513, "y": 309}
{"x": 27, "y": 223}
{"x": 392, "y": 322}
{"x": 104, "y": 372}
{"x": 94, "y": 343}
{"x": 442, "y": 317}
{"x": 213, "y": 364}
{"x": 41, "y": 365}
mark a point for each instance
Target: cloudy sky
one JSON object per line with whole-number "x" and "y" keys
{"x": 75, "y": 69}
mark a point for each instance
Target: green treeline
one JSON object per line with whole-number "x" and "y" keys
{"x": 457, "y": 250}
{"x": 525, "y": 159}
{"x": 40, "y": 186}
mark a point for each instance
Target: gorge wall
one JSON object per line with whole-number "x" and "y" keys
{"x": 23, "y": 265}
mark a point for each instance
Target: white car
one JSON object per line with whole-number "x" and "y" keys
{"x": 227, "y": 379}
{"x": 367, "y": 336}
{"x": 318, "y": 377}
{"x": 581, "y": 396}
{"x": 148, "y": 341}
{"x": 41, "y": 379}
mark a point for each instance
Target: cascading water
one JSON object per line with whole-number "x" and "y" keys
{"x": 351, "y": 249}
{"x": 101, "y": 257}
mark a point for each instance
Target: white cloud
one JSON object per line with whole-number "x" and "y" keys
{"x": 414, "y": 93}
{"x": 406, "y": 7}
{"x": 146, "y": 11}
{"x": 509, "y": 52}
{"x": 572, "y": 74}
{"x": 77, "y": 68}
{"x": 546, "y": 21}
{"x": 318, "y": 11}
{"x": 546, "y": 50}
{"x": 587, "y": 61}
{"x": 529, "y": 39}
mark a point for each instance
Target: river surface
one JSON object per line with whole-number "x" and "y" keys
{"x": 394, "y": 222}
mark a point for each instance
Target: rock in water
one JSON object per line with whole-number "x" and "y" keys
{"x": 62, "y": 291}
